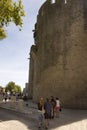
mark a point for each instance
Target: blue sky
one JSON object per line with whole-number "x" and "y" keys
{"x": 14, "y": 50}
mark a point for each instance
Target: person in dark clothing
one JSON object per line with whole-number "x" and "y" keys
{"x": 48, "y": 110}
{"x": 53, "y": 102}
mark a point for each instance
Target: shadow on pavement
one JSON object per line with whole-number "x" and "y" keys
{"x": 67, "y": 117}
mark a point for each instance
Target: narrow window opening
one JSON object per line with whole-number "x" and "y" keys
{"x": 65, "y": 1}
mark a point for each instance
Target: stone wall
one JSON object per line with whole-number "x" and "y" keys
{"x": 60, "y": 53}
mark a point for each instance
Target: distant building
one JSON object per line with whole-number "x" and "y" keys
{"x": 2, "y": 89}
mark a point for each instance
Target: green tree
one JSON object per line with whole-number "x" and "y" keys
{"x": 10, "y": 12}
{"x": 12, "y": 87}
{"x": 17, "y": 89}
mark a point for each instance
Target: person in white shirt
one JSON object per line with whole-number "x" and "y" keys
{"x": 57, "y": 108}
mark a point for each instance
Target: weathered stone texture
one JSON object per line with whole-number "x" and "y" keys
{"x": 60, "y": 56}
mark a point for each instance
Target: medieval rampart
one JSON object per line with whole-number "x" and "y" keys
{"x": 60, "y": 53}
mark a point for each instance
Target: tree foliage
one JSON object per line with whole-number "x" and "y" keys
{"x": 12, "y": 87}
{"x": 10, "y": 12}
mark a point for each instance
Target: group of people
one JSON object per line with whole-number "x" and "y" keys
{"x": 6, "y": 97}
{"x": 47, "y": 110}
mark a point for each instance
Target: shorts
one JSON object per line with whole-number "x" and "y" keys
{"x": 57, "y": 107}
{"x": 47, "y": 115}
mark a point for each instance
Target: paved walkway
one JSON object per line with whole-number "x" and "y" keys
{"x": 69, "y": 119}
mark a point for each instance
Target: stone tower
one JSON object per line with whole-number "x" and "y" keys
{"x": 58, "y": 60}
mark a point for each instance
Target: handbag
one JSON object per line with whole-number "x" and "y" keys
{"x": 60, "y": 109}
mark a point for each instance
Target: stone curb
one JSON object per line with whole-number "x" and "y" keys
{"x": 29, "y": 115}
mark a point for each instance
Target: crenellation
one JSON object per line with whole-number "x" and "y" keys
{"x": 53, "y": 1}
